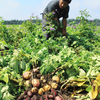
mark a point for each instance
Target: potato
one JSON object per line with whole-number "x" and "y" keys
{"x": 36, "y": 70}
{"x": 27, "y": 75}
{"x": 54, "y": 85}
{"x": 29, "y": 93}
{"x": 41, "y": 91}
{"x": 56, "y": 78}
{"x": 42, "y": 78}
{"x": 50, "y": 96}
{"x": 27, "y": 83}
{"x": 58, "y": 98}
{"x": 34, "y": 90}
{"x": 36, "y": 82}
{"x": 47, "y": 87}
{"x": 54, "y": 92}
{"x": 21, "y": 97}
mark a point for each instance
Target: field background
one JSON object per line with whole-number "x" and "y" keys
{"x": 18, "y": 22}
{"x": 24, "y": 46}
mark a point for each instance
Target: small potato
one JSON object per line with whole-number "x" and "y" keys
{"x": 54, "y": 92}
{"x": 47, "y": 87}
{"x": 45, "y": 97}
{"x": 58, "y": 98}
{"x": 36, "y": 82}
{"x": 34, "y": 90}
{"x": 54, "y": 85}
{"x": 42, "y": 78}
{"x": 34, "y": 97}
{"x": 27, "y": 75}
{"x": 21, "y": 97}
{"x": 50, "y": 96}
{"x": 27, "y": 83}
{"x": 28, "y": 98}
{"x": 29, "y": 93}
{"x": 41, "y": 91}
{"x": 36, "y": 70}
{"x": 56, "y": 78}
{"x": 44, "y": 81}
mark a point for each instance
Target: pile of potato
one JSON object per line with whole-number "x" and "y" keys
{"x": 40, "y": 87}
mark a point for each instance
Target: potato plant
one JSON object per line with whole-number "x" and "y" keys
{"x": 24, "y": 47}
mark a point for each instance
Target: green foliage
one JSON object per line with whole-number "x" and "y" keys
{"x": 4, "y": 94}
{"x": 52, "y": 26}
{"x": 23, "y": 47}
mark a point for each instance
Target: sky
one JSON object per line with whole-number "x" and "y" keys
{"x": 23, "y": 9}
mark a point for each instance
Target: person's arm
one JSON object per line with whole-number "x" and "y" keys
{"x": 64, "y": 22}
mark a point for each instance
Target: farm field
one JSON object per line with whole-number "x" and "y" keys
{"x": 75, "y": 59}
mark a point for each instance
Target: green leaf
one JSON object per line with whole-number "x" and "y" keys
{"x": 6, "y": 78}
{"x": 89, "y": 88}
{"x": 0, "y": 91}
{"x": 69, "y": 52}
{"x": 82, "y": 73}
{"x": 98, "y": 64}
{"x": 5, "y": 88}
{"x": 15, "y": 65}
{"x": 22, "y": 64}
{"x": 16, "y": 53}
{"x": 8, "y": 96}
{"x": 89, "y": 71}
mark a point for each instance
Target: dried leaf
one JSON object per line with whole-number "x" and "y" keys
{"x": 93, "y": 94}
{"x": 80, "y": 83}
{"x": 98, "y": 78}
{"x": 78, "y": 91}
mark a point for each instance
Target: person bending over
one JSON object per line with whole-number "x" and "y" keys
{"x": 62, "y": 10}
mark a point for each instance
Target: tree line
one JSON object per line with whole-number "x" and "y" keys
{"x": 18, "y": 22}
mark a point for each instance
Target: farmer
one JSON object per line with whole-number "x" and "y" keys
{"x": 62, "y": 9}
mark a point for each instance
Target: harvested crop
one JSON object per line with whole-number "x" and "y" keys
{"x": 21, "y": 97}
{"x": 45, "y": 97}
{"x": 25, "y": 92}
{"x": 34, "y": 90}
{"x": 50, "y": 96}
{"x": 54, "y": 85}
{"x": 41, "y": 91}
{"x": 38, "y": 75}
{"x": 27, "y": 75}
{"x": 36, "y": 82}
{"x": 29, "y": 93}
{"x": 58, "y": 98}
{"x": 42, "y": 78}
{"x": 34, "y": 97}
{"x": 28, "y": 98}
{"x": 56, "y": 78}
{"x": 47, "y": 87}
{"x": 44, "y": 81}
{"x": 36, "y": 70}
{"x": 54, "y": 92}
{"x": 27, "y": 83}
